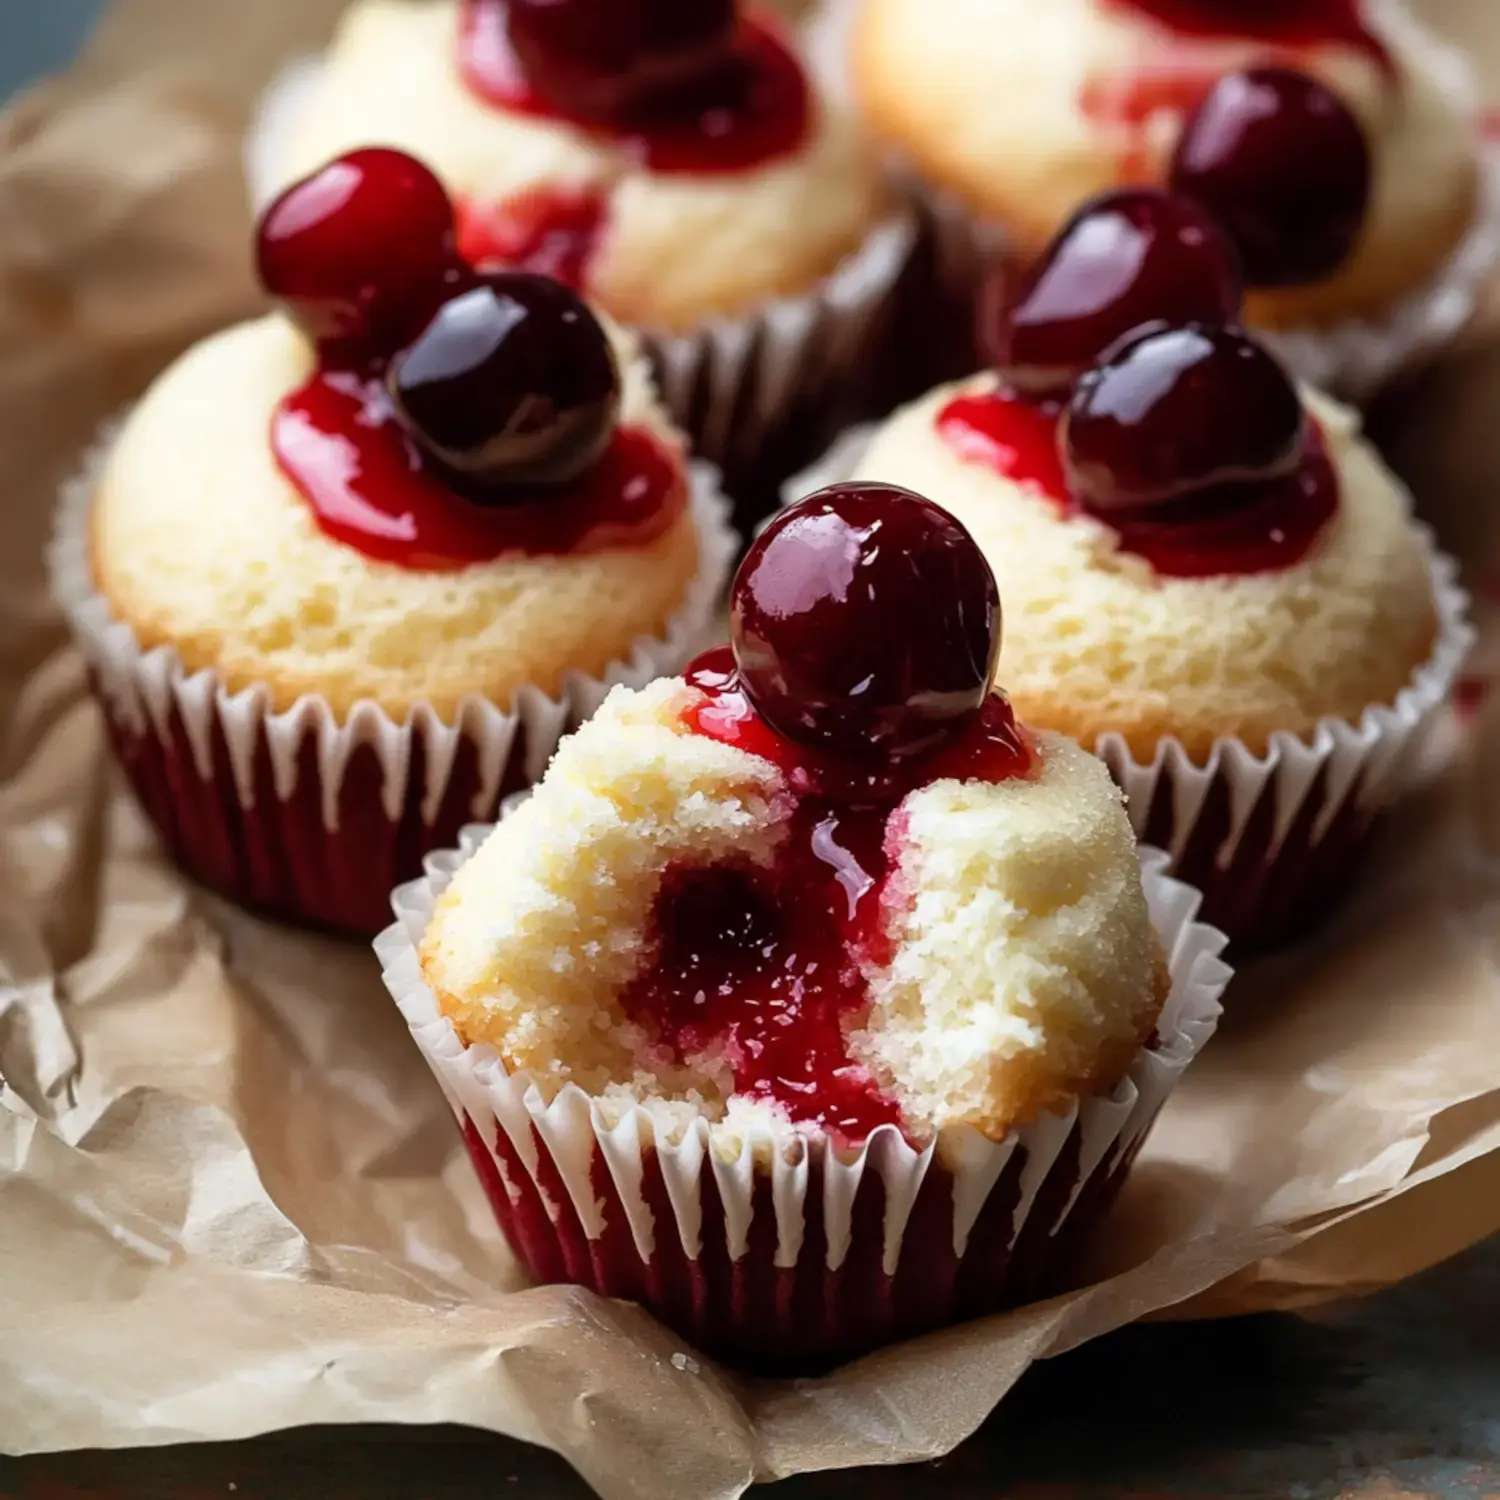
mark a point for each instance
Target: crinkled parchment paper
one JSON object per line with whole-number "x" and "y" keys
{"x": 231, "y": 1197}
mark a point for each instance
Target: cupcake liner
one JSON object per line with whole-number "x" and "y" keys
{"x": 1270, "y": 840}
{"x": 757, "y": 393}
{"x": 307, "y": 815}
{"x": 765, "y": 1244}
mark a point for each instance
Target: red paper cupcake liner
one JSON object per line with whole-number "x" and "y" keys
{"x": 763, "y": 1244}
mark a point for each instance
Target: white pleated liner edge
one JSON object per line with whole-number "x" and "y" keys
{"x": 1378, "y": 752}
{"x": 776, "y": 343}
{"x": 573, "y": 1126}
{"x": 145, "y": 686}
{"x": 1353, "y": 359}
{"x": 779, "y": 342}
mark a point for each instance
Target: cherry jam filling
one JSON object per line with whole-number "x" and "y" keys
{"x": 749, "y": 107}
{"x": 767, "y": 967}
{"x": 454, "y": 415}
{"x": 865, "y": 627}
{"x": 1263, "y": 528}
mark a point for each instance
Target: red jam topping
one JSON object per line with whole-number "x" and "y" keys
{"x": 1259, "y": 528}
{"x": 768, "y": 965}
{"x": 1127, "y": 101}
{"x": 552, "y": 231}
{"x": 337, "y": 439}
{"x": 454, "y": 416}
{"x": 866, "y": 625}
{"x": 742, "y": 108}
{"x": 1286, "y": 25}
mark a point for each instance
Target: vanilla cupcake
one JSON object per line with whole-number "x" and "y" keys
{"x": 1337, "y": 147}
{"x": 1211, "y": 578}
{"x": 810, "y": 997}
{"x": 345, "y": 576}
{"x": 676, "y": 165}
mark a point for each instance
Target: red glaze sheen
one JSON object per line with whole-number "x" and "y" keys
{"x": 752, "y": 109}
{"x": 1292, "y": 25}
{"x": 1210, "y": 535}
{"x": 552, "y": 231}
{"x": 338, "y": 440}
{"x": 765, "y": 964}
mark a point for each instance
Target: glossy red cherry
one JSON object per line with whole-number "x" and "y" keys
{"x": 866, "y": 622}
{"x": 512, "y": 384}
{"x": 606, "y": 58}
{"x": 362, "y": 251}
{"x": 1179, "y": 415}
{"x": 1127, "y": 258}
{"x": 1284, "y": 165}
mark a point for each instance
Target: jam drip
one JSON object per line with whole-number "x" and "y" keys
{"x": 753, "y": 108}
{"x": 766, "y": 966}
{"x": 552, "y": 231}
{"x": 1237, "y": 531}
{"x": 338, "y": 441}
{"x": 1286, "y": 25}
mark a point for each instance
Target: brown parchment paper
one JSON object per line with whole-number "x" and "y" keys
{"x": 231, "y": 1198}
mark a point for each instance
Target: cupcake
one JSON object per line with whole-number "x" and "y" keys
{"x": 346, "y": 573}
{"x": 1336, "y": 147}
{"x": 1211, "y": 578}
{"x": 674, "y": 163}
{"x": 810, "y": 999}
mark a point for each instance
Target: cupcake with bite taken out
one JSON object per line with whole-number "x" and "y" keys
{"x": 347, "y": 573}
{"x": 1210, "y": 577}
{"x": 672, "y": 160}
{"x": 811, "y": 999}
{"x": 1336, "y": 141}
